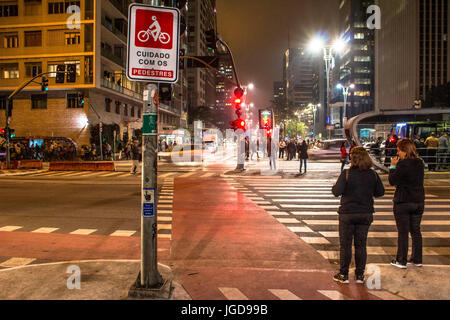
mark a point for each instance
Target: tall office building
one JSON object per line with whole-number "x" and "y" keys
{"x": 298, "y": 78}
{"x": 412, "y": 51}
{"x": 224, "y": 110}
{"x": 279, "y": 93}
{"x": 38, "y": 35}
{"x": 201, "y": 17}
{"x": 356, "y": 65}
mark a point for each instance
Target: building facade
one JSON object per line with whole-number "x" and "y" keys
{"x": 224, "y": 110}
{"x": 38, "y": 35}
{"x": 412, "y": 51}
{"x": 356, "y": 65}
{"x": 299, "y": 81}
{"x": 201, "y": 17}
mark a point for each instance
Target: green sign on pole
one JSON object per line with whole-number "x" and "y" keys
{"x": 150, "y": 124}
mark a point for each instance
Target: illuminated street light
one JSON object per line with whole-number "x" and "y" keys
{"x": 251, "y": 86}
{"x": 338, "y": 46}
{"x": 345, "y": 92}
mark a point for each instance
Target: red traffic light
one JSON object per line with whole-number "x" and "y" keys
{"x": 242, "y": 123}
{"x": 2, "y": 131}
{"x": 237, "y": 101}
{"x": 239, "y": 93}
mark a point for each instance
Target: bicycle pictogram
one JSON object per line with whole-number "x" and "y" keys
{"x": 155, "y": 31}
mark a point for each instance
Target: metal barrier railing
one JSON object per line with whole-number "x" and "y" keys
{"x": 434, "y": 159}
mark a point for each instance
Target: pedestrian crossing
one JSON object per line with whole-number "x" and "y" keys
{"x": 191, "y": 172}
{"x": 288, "y": 295}
{"x": 308, "y": 208}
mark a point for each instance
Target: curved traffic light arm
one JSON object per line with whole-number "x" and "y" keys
{"x": 209, "y": 67}
{"x": 23, "y": 85}
{"x": 232, "y": 62}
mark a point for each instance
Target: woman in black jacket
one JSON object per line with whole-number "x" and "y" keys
{"x": 407, "y": 174}
{"x": 357, "y": 186}
{"x": 303, "y": 155}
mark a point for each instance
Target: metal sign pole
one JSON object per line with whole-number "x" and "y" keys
{"x": 8, "y": 153}
{"x": 150, "y": 276}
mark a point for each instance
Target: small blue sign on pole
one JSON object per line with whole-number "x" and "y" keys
{"x": 148, "y": 202}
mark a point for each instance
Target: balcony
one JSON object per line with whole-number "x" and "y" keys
{"x": 113, "y": 86}
{"x": 122, "y": 6}
{"x": 111, "y": 56}
{"x": 114, "y": 30}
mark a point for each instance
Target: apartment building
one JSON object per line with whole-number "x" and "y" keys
{"x": 38, "y": 35}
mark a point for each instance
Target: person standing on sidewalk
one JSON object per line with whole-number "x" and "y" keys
{"x": 407, "y": 175}
{"x": 344, "y": 156}
{"x": 357, "y": 186}
{"x": 135, "y": 156}
{"x": 282, "y": 149}
{"x": 442, "y": 151}
{"x": 432, "y": 144}
{"x": 303, "y": 155}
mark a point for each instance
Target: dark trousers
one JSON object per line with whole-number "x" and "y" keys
{"x": 354, "y": 227}
{"x": 281, "y": 156}
{"x": 408, "y": 217}
{"x": 432, "y": 159}
{"x": 302, "y": 161}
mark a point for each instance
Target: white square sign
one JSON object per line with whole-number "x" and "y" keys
{"x": 153, "y": 43}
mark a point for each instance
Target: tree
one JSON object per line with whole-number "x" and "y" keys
{"x": 295, "y": 127}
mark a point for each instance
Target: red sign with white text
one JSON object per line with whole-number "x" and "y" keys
{"x": 154, "y": 29}
{"x": 153, "y": 43}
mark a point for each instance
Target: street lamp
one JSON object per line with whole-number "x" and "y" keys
{"x": 329, "y": 50}
{"x": 345, "y": 90}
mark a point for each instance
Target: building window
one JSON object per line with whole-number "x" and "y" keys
{"x": 132, "y": 111}
{"x": 125, "y": 110}
{"x": 72, "y": 100}
{"x": 9, "y": 70}
{"x": 38, "y": 101}
{"x": 61, "y": 6}
{"x": 118, "y": 107}
{"x": 32, "y": 69}
{"x": 32, "y": 7}
{"x": 9, "y": 10}
{"x": 72, "y": 38}
{"x": 107, "y": 105}
{"x": 362, "y": 93}
{"x": 359, "y": 35}
{"x": 33, "y": 38}
{"x": 51, "y": 67}
{"x": 10, "y": 40}
{"x": 139, "y": 113}
{"x": 362, "y": 59}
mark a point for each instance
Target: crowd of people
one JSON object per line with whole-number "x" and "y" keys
{"x": 434, "y": 150}
{"x": 48, "y": 151}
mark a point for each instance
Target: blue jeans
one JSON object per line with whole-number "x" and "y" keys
{"x": 301, "y": 164}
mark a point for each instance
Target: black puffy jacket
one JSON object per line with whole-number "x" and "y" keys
{"x": 408, "y": 180}
{"x": 358, "y": 192}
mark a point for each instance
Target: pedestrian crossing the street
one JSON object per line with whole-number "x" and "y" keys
{"x": 308, "y": 208}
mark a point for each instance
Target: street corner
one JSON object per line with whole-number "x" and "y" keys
{"x": 430, "y": 282}
{"x": 78, "y": 280}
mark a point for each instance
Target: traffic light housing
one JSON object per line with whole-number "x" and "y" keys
{"x": 211, "y": 39}
{"x": 9, "y": 108}
{"x": 80, "y": 101}
{"x": 165, "y": 91}
{"x": 44, "y": 84}
{"x": 238, "y": 124}
{"x": 60, "y": 73}
{"x": 265, "y": 119}
{"x": 71, "y": 73}
{"x": 238, "y": 94}
{"x": 11, "y": 133}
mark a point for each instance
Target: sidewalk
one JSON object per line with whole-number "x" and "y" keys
{"x": 223, "y": 247}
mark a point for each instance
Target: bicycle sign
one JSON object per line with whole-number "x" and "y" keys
{"x": 153, "y": 42}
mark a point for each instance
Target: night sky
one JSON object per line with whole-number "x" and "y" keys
{"x": 257, "y": 32}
